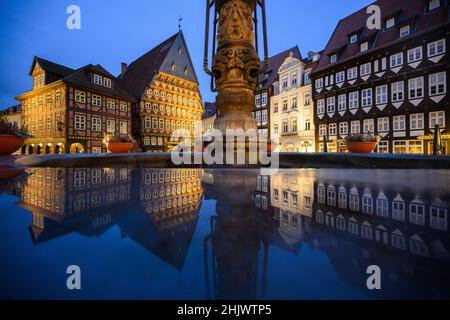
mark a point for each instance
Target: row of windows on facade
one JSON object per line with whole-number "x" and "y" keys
{"x": 40, "y": 101}
{"x": 398, "y": 146}
{"x": 96, "y": 100}
{"x": 381, "y": 235}
{"x": 102, "y": 81}
{"x": 287, "y": 85}
{"x": 291, "y": 126}
{"x": 290, "y": 198}
{"x": 352, "y": 202}
{"x": 416, "y": 122}
{"x": 96, "y": 124}
{"x": 294, "y": 104}
{"x": 168, "y": 125}
{"x": 404, "y": 30}
{"x": 396, "y": 60}
{"x": 437, "y": 85}
{"x": 96, "y": 201}
{"x": 37, "y": 123}
{"x": 170, "y": 191}
{"x": 173, "y": 98}
{"x": 80, "y": 176}
{"x": 175, "y": 111}
{"x": 169, "y": 176}
{"x": 381, "y": 207}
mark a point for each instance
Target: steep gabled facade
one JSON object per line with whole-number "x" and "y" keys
{"x": 164, "y": 83}
{"x": 392, "y": 81}
{"x": 292, "y": 110}
{"x": 264, "y": 91}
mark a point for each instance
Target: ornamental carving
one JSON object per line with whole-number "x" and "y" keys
{"x": 235, "y": 23}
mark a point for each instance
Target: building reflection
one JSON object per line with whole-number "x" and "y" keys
{"x": 157, "y": 208}
{"x": 403, "y": 228}
{"x": 357, "y": 218}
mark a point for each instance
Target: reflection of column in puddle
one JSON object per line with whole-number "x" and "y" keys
{"x": 234, "y": 238}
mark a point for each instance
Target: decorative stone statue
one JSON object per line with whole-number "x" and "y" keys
{"x": 236, "y": 65}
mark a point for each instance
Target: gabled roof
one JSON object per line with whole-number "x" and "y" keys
{"x": 141, "y": 72}
{"x": 405, "y": 10}
{"x": 275, "y": 63}
{"x": 51, "y": 67}
{"x": 82, "y": 78}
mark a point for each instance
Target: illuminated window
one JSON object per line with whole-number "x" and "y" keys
{"x": 107, "y": 82}
{"x": 80, "y": 122}
{"x": 96, "y": 100}
{"x": 111, "y": 103}
{"x": 111, "y": 126}
{"x": 98, "y": 79}
{"x": 80, "y": 96}
{"x": 123, "y": 106}
{"x": 96, "y": 124}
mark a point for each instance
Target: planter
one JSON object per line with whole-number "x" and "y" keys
{"x": 361, "y": 147}
{"x": 9, "y": 144}
{"x": 120, "y": 147}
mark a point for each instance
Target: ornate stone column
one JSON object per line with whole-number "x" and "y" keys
{"x": 236, "y": 64}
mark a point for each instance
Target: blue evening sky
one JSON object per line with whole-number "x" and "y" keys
{"x": 114, "y": 31}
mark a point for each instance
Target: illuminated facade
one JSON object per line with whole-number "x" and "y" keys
{"x": 12, "y": 115}
{"x": 157, "y": 208}
{"x": 165, "y": 85}
{"x": 171, "y": 196}
{"x": 292, "y": 109}
{"x": 292, "y": 198}
{"x": 70, "y": 111}
{"x": 392, "y": 82}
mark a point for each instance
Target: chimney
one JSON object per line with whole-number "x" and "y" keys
{"x": 123, "y": 69}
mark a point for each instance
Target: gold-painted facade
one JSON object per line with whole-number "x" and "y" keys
{"x": 60, "y": 198}
{"x": 169, "y": 104}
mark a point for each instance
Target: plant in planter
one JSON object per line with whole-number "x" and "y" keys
{"x": 117, "y": 144}
{"x": 362, "y": 143}
{"x": 12, "y": 137}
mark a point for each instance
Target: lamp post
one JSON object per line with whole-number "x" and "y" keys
{"x": 235, "y": 63}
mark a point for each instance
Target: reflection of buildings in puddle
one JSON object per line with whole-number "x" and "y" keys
{"x": 292, "y": 197}
{"x": 402, "y": 229}
{"x": 157, "y": 208}
{"x": 358, "y": 222}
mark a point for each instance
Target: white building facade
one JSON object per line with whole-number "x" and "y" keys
{"x": 292, "y": 108}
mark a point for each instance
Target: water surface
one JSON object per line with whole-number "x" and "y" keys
{"x": 225, "y": 234}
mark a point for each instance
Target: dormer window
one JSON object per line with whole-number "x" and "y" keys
{"x": 390, "y": 23}
{"x": 433, "y": 4}
{"x": 266, "y": 76}
{"x": 174, "y": 67}
{"x": 98, "y": 79}
{"x": 353, "y": 38}
{"x": 107, "y": 82}
{"x": 186, "y": 71}
{"x": 404, "y": 31}
{"x": 364, "y": 46}
{"x": 333, "y": 58}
